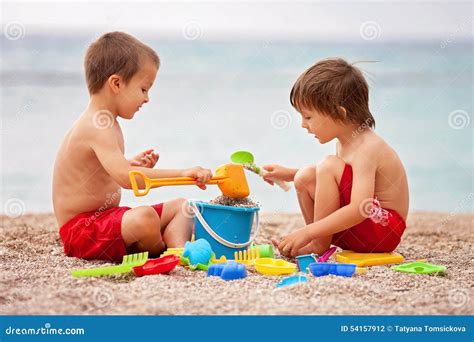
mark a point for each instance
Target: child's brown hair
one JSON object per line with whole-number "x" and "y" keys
{"x": 332, "y": 83}
{"x": 115, "y": 53}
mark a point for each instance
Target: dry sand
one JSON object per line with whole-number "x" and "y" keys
{"x": 35, "y": 278}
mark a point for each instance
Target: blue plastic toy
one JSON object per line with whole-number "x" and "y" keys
{"x": 197, "y": 254}
{"x": 230, "y": 270}
{"x": 319, "y": 269}
{"x": 292, "y": 280}
{"x": 303, "y": 261}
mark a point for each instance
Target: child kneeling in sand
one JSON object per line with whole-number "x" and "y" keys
{"x": 91, "y": 169}
{"x": 358, "y": 198}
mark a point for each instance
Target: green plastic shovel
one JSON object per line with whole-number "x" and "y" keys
{"x": 128, "y": 263}
{"x": 247, "y": 160}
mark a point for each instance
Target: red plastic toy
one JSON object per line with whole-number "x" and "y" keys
{"x": 157, "y": 266}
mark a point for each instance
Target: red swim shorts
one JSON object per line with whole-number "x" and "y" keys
{"x": 380, "y": 232}
{"x": 97, "y": 234}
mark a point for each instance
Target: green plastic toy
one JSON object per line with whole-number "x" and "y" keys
{"x": 419, "y": 268}
{"x": 203, "y": 267}
{"x": 265, "y": 251}
{"x": 247, "y": 160}
{"x": 128, "y": 263}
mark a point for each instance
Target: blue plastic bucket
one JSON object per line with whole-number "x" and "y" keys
{"x": 226, "y": 228}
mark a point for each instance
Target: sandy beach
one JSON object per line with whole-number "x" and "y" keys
{"x": 35, "y": 278}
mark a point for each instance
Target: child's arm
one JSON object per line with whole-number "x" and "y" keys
{"x": 363, "y": 186}
{"x": 107, "y": 149}
{"x": 275, "y": 171}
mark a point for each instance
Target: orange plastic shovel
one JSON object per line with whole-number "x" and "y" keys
{"x": 230, "y": 178}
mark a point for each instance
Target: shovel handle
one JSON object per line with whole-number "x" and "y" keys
{"x": 157, "y": 182}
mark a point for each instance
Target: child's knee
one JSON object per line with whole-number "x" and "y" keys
{"x": 305, "y": 177}
{"x": 144, "y": 223}
{"x": 330, "y": 164}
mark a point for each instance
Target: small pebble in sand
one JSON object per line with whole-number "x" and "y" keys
{"x": 235, "y": 202}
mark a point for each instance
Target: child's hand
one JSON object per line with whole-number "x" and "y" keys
{"x": 275, "y": 171}
{"x": 290, "y": 245}
{"x": 201, "y": 175}
{"x": 145, "y": 159}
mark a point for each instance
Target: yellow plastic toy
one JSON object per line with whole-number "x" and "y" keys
{"x": 247, "y": 257}
{"x": 230, "y": 178}
{"x": 269, "y": 266}
{"x": 221, "y": 260}
{"x": 175, "y": 251}
{"x": 369, "y": 259}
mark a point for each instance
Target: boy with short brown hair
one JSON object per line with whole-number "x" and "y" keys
{"x": 356, "y": 199}
{"x": 91, "y": 169}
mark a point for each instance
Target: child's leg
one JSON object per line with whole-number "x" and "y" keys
{"x": 305, "y": 185}
{"x": 176, "y": 223}
{"x": 141, "y": 230}
{"x": 327, "y": 199}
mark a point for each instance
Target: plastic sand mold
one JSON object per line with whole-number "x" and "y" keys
{"x": 319, "y": 269}
{"x": 369, "y": 259}
{"x": 157, "y": 266}
{"x": 228, "y": 271}
{"x": 269, "y": 266}
{"x": 419, "y": 268}
{"x": 292, "y": 280}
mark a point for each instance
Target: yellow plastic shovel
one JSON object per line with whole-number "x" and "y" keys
{"x": 230, "y": 178}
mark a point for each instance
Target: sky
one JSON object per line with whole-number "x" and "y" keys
{"x": 219, "y": 20}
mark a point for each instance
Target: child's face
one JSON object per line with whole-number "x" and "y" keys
{"x": 135, "y": 93}
{"x": 323, "y": 127}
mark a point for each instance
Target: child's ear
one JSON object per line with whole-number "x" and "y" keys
{"x": 114, "y": 83}
{"x": 343, "y": 112}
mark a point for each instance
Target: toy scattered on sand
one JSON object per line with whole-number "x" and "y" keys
{"x": 369, "y": 259}
{"x": 197, "y": 255}
{"x": 128, "y": 262}
{"x": 292, "y": 280}
{"x": 269, "y": 266}
{"x": 173, "y": 251}
{"x": 228, "y": 271}
{"x": 303, "y": 261}
{"x": 265, "y": 250}
{"x": 419, "y": 268}
{"x": 247, "y": 257}
{"x": 230, "y": 178}
{"x": 157, "y": 266}
{"x": 319, "y": 269}
{"x": 246, "y": 159}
